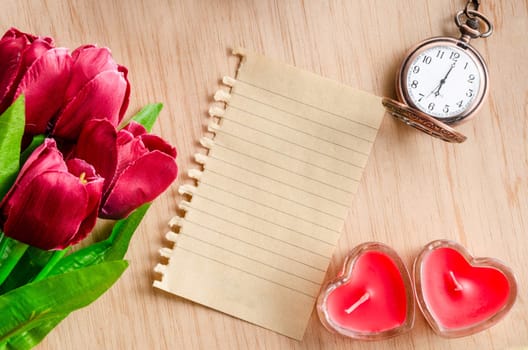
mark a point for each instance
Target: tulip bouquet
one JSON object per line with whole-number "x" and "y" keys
{"x": 67, "y": 159}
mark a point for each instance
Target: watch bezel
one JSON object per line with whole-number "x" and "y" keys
{"x": 401, "y": 81}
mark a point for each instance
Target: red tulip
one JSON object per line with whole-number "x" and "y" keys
{"x": 13, "y": 47}
{"x": 53, "y": 203}
{"x": 31, "y": 66}
{"x": 98, "y": 89}
{"x": 62, "y": 91}
{"x": 137, "y": 166}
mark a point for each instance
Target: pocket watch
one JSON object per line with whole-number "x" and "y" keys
{"x": 443, "y": 81}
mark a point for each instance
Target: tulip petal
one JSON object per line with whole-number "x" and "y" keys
{"x": 14, "y": 33}
{"x": 154, "y": 142}
{"x": 94, "y": 187}
{"x": 78, "y": 50}
{"x": 32, "y": 53}
{"x": 129, "y": 149}
{"x": 44, "y": 158}
{"x": 141, "y": 182}
{"x": 89, "y": 61}
{"x": 38, "y": 213}
{"x": 123, "y": 70}
{"x": 82, "y": 169}
{"x": 18, "y": 51}
{"x": 50, "y": 72}
{"x": 135, "y": 128}
{"x": 10, "y": 57}
{"x": 102, "y": 97}
{"x": 151, "y": 142}
{"x": 97, "y": 146}
{"x": 28, "y": 57}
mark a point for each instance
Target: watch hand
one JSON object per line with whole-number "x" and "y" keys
{"x": 449, "y": 71}
{"x": 436, "y": 90}
{"x": 442, "y": 82}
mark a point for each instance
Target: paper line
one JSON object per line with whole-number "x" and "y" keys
{"x": 293, "y": 143}
{"x": 249, "y": 273}
{"x": 306, "y": 104}
{"x": 249, "y": 228}
{"x": 260, "y": 189}
{"x": 258, "y": 246}
{"x": 336, "y": 161}
{"x": 288, "y": 155}
{"x": 282, "y": 182}
{"x": 244, "y": 177}
{"x": 199, "y": 194}
{"x": 226, "y": 117}
{"x": 294, "y": 129}
{"x": 326, "y": 125}
{"x": 255, "y": 260}
{"x": 271, "y": 222}
{"x": 286, "y": 169}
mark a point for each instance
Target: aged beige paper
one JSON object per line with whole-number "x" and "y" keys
{"x": 268, "y": 208}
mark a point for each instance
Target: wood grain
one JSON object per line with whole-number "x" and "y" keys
{"x": 415, "y": 189}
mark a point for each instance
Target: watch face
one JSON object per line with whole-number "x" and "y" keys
{"x": 444, "y": 80}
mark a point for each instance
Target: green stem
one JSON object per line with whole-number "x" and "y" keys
{"x": 10, "y": 253}
{"x": 3, "y": 245}
{"x": 55, "y": 258}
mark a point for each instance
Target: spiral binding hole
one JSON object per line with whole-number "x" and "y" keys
{"x": 216, "y": 112}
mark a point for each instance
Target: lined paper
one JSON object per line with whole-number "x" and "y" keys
{"x": 269, "y": 205}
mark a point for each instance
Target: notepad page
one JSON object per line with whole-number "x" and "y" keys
{"x": 287, "y": 155}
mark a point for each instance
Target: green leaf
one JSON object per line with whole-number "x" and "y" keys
{"x": 148, "y": 115}
{"x": 11, "y": 131}
{"x": 55, "y": 258}
{"x": 11, "y": 251}
{"x": 123, "y": 231}
{"x": 113, "y": 248}
{"x": 32, "y": 305}
{"x": 31, "y": 263}
{"x": 30, "y": 338}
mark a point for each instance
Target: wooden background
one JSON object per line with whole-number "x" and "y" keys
{"x": 415, "y": 189}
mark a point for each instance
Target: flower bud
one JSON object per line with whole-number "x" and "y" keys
{"x": 53, "y": 203}
{"x": 137, "y": 166}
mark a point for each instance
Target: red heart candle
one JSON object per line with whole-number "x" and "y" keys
{"x": 372, "y": 298}
{"x": 458, "y": 294}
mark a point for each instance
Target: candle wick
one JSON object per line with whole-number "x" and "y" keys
{"x": 361, "y": 300}
{"x": 458, "y": 286}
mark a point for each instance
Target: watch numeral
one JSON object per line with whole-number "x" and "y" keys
{"x": 416, "y": 69}
{"x": 440, "y": 54}
{"x": 465, "y": 66}
{"x": 446, "y": 109}
{"x": 421, "y": 97}
{"x": 414, "y": 84}
{"x": 469, "y": 93}
{"x": 459, "y": 103}
{"x": 431, "y": 106}
{"x": 427, "y": 59}
{"x": 454, "y": 56}
{"x": 471, "y": 78}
